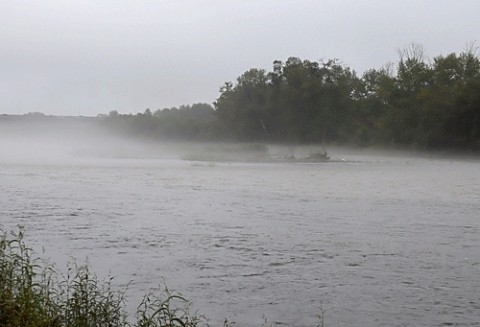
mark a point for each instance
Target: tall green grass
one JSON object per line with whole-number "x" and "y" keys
{"x": 34, "y": 294}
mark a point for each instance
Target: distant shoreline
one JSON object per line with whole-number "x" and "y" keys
{"x": 56, "y": 120}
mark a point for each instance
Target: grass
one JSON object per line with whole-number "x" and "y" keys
{"x": 33, "y": 294}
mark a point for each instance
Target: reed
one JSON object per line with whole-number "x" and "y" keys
{"x": 34, "y": 294}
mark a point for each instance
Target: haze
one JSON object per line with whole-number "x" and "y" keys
{"x": 90, "y": 57}
{"x": 73, "y": 141}
{"x": 85, "y": 141}
{"x": 376, "y": 240}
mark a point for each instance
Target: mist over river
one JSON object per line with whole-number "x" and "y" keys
{"x": 376, "y": 240}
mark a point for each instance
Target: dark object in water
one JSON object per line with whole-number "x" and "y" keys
{"x": 318, "y": 157}
{"x": 314, "y": 157}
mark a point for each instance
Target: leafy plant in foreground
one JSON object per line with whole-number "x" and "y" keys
{"x": 33, "y": 295}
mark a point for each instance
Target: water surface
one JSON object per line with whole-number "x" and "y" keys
{"x": 375, "y": 240}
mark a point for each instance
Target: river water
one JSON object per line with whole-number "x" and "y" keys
{"x": 374, "y": 240}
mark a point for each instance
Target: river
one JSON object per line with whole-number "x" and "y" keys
{"x": 373, "y": 239}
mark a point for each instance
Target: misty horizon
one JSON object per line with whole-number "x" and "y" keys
{"x": 277, "y": 162}
{"x": 85, "y": 58}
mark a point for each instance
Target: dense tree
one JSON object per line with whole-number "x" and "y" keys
{"x": 242, "y": 108}
{"x": 418, "y": 103}
{"x": 300, "y": 101}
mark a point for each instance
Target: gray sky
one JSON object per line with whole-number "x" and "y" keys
{"x": 87, "y": 57}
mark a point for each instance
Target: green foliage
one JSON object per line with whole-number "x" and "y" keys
{"x": 25, "y": 296}
{"x": 84, "y": 301}
{"x": 300, "y": 101}
{"x": 33, "y": 295}
{"x": 196, "y": 122}
{"x": 427, "y": 104}
{"x": 171, "y": 310}
{"x": 421, "y": 105}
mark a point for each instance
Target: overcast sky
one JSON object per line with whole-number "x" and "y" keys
{"x": 88, "y": 57}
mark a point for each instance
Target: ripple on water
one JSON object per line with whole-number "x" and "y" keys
{"x": 378, "y": 242}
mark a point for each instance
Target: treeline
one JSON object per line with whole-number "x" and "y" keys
{"x": 195, "y": 122}
{"x": 429, "y": 104}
